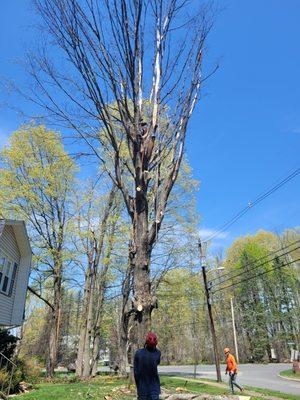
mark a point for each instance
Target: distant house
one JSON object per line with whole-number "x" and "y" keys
{"x": 15, "y": 262}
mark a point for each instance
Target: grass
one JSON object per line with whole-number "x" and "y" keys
{"x": 266, "y": 393}
{"x": 191, "y": 385}
{"x": 213, "y": 387}
{"x": 67, "y": 388}
{"x": 258, "y": 393}
{"x": 289, "y": 373}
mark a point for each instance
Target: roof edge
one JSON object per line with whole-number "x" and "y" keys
{"x": 19, "y": 224}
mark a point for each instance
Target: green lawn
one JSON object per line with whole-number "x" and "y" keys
{"x": 212, "y": 387}
{"x": 191, "y": 385}
{"x": 290, "y": 374}
{"x": 102, "y": 386}
{"x": 67, "y": 389}
{"x": 96, "y": 389}
{"x": 266, "y": 393}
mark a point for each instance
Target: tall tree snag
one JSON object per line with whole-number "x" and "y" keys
{"x": 130, "y": 79}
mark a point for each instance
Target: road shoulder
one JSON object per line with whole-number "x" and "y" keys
{"x": 288, "y": 378}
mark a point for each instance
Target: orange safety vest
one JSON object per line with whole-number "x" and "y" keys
{"x": 231, "y": 364}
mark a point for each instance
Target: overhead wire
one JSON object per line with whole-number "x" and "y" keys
{"x": 255, "y": 276}
{"x": 253, "y": 203}
{"x": 258, "y": 260}
{"x": 255, "y": 266}
{"x": 284, "y": 315}
{"x": 235, "y": 218}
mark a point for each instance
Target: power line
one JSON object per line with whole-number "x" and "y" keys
{"x": 258, "y": 260}
{"x": 269, "y": 321}
{"x": 260, "y": 265}
{"x": 252, "y": 204}
{"x": 255, "y": 276}
{"x": 257, "y": 266}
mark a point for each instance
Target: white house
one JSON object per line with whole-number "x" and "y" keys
{"x": 15, "y": 262}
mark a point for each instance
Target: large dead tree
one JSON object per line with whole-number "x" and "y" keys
{"x": 173, "y": 250}
{"x": 126, "y": 76}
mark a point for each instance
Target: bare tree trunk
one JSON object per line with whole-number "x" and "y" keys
{"x": 83, "y": 324}
{"x": 88, "y": 336}
{"x": 95, "y": 358}
{"x": 97, "y": 334}
{"x": 122, "y": 359}
{"x": 125, "y": 312}
{"x": 100, "y": 298}
{"x": 141, "y": 282}
{"x": 55, "y": 322}
{"x": 53, "y": 343}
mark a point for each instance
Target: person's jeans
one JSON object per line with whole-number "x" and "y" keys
{"x": 149, "y": 397}
{"x": 232, "y": 382}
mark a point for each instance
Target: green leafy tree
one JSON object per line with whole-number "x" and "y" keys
{"x": 36, "y": 179}
{"x": 180, "y": 317}
{"x": 264, "y": 282}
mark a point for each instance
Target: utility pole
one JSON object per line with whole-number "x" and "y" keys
{"x": 202, "y": 248}
{"x": 234, "y": 331}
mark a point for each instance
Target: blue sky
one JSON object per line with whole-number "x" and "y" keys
{"x": 245, "y": 133}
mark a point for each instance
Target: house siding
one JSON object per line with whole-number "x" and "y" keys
{"x": 2, "y": 225}
{"x": 8, "y": 243}
{"x": 21, "y": 284}
{"x": 9, "y": 247}
{"x": 6, "y": 305}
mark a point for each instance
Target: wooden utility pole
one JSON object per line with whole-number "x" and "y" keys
{"x": 234, "y": 331}
{"x": 209, "y": 309}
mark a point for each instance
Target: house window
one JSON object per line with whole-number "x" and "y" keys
{"x": 8, "y": 271}
{"x": 2, "y": 264}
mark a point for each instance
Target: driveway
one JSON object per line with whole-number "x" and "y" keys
{"x": 259, "y": 375}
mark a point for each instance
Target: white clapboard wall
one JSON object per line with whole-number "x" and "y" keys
{"x": 15, "y": 249}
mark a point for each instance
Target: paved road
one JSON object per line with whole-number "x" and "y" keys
{"x": 262, "y": 376}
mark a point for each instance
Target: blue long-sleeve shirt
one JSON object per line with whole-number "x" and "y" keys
{"x": 145, "y": 371}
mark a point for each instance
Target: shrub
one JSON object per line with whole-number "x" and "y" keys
{"x": 8, "y": 343}
{"x": 25, "y": 370}
{"x": 31, "y": 369}
{"x": 17, "y": 377}
{"x": 4, "y": 378}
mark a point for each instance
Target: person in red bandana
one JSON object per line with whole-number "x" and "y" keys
{"x": 146, "y": 376}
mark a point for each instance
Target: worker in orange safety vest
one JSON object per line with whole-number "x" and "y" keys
{"x": 231, "y": 368}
